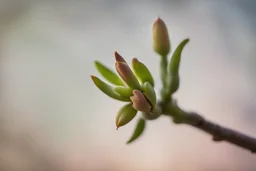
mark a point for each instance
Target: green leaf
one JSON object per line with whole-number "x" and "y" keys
{"x": 175, "y": 60}
{"x": 108, "y": 74}
{"x": 138, "y": 130}
{"x": 124, "y": 91}
{"x": 149, "y": 93}
{"x": 173, "y": 75}
{"x": 142, "y": 72}
{"x": 107, "y": 89}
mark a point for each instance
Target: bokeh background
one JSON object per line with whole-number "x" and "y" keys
{"x": 53, "y": 118}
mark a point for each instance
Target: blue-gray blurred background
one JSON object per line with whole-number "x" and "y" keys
{"x": 53, "y": 118}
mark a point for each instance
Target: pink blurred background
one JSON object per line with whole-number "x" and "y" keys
{"x": 53, "y": 118}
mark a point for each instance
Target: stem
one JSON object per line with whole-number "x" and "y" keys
{"x": 163, "y": 70}
{"x": 154, "y": 114}
{"x": 219, "y": 133}
{"x": 163, "y": 73}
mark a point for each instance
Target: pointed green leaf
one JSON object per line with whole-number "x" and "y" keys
{"x": 149, "y": 93}
{"x": 107, "y": 89}
{"x": 124, "y": 91}
{"x": 108, "y": 74}
{"x": 142, "y": 72}
{"x": 175, "y": 60}
{"x": 138, "y": 130}
{"x": 173, "y": 78}
{"x": 125, "y": 115}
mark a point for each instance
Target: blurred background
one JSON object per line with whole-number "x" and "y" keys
{"x": 53, "y": 118}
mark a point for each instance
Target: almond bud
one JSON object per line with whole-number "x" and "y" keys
{"x": 125, "y": 115}
{"x": 140, "y": 102}
{"x": 161, "y": 42}
{"x": 126, "y": 73}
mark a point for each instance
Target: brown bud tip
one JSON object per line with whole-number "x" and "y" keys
{"x": 158, "y": 21}
{"x": 134, "y": 60}
{"x": 92, "y": 77}
{"x": 119, "y": 58}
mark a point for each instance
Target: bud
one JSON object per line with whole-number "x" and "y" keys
{"x": 149, "y": 93}
{"x": 140, "y": 102}
{"x": 161, "y": 42}
{"x": 126, "y": 73}
{"x": 119, "y": 58}
{"x": 125, "y": 115}
{"x": 142, "y": 72}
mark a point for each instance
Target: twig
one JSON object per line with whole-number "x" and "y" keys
{"x": 219, "y": 133}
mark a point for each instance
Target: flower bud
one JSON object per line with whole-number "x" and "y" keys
{"x": 142, "y": 72}
{"x": 140, "y": 102}
{"x": 119, "y": 58}
{"x": 161, "y": 42}
{"x": 126, "y": 73}
{"x": 125, "y": 115}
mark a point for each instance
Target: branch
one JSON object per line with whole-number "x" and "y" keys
{"x": 219, "y": 133}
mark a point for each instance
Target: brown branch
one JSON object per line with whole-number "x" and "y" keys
{"x": 219, "y": 133}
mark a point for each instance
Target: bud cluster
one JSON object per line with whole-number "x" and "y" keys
{"x": 134, "y": 86}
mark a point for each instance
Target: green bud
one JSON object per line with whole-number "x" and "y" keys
{"x": 142, "y": 72}
{"x": 140, "y": 102}
{"x": 149, "y": 93}
{"x": 107, "y": 89}
{"x": 125, "y": 115}
{"x": 174, "y": 65}
{"x": 108, "y": 74}
{"x": 161, "y": 42}
{"x": 126, "y": 73}
{"x": 124, "y": 91}
{"x": 140, "y": 127}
